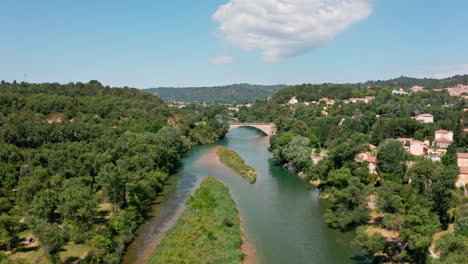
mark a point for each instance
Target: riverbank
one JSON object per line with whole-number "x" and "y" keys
{"x": 207, "y": 232}
{"x": 235, "y": 162}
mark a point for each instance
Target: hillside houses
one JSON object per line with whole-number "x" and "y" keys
{"x": 458, "y": 90}
{"x": 443, "y": 138}
{"x": 414, "y": 147}
{"x": 399, "y": 92}
{"x": 293, "y": 101}
{"x": 425, "y": 118}
{"x": 366, "y": 100}
{"x": 417, "y": 89}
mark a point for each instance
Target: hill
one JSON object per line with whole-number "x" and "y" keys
{"x": 229, "y": 94}
{"x": 407, "y": 82}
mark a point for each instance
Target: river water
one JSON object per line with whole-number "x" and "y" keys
{"x": 281, "y": 214}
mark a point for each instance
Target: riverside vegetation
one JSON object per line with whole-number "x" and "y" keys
{"x": 207, "y": 232}
{"x": 234, "y": 161}
{"x": 398, "y": 212}
{"x": 81, "y": 162}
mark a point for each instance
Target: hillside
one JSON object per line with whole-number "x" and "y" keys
{"x": 407, "y": 82}
{"x": 230, "y": 94}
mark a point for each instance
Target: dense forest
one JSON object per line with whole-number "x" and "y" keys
{"x": 410, "y": 204}
{"x": 81, "y": 162}
{"x": 230, "y": 94}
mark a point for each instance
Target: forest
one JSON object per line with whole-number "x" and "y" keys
{"x": 229, "y": 94}
{"x": 81, "y": 162}
{"x": 410, "y": 208}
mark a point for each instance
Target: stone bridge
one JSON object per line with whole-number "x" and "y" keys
{"x": 267, "y": 128}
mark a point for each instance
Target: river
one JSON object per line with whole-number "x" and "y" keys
{"x": 281, "y": 214}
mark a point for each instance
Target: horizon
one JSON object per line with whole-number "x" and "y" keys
{"x": 223, "y": 42}
{"x": 240, "y": 83}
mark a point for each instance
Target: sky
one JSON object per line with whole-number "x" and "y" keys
{"x": 180, "y": 43}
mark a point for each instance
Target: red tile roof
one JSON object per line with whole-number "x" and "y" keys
{"x": 372, "y": 159}
{"x": 442, "y": 132}
{"x": 442, "y": 140}
{"x": 462, "y": 155}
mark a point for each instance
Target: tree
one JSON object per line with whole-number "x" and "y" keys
{"x": 51, "y": 236}
{"x": 375, "y": 244}
{"x": 391, "y": 158}
{"x": 421, "y": 174}
{"x": 8, "y": 230}
{"x": 44, "y": 205}
{"x": 442, "y": 186}
{"x": 298, "y": 152}
{"x": 388, "y": 198}
{"x": 450, "y": 158}
{"x": 113, "y": 181}
{"x": 339, "y": 178}
{"x": 78, "y": 202}
{"x": 348, "y": 206}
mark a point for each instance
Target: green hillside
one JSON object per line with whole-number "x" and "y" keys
{"x": 230, "y": 94}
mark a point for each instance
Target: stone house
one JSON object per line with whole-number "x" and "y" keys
{"x": 425, "y": 118}
{"x": 293, "y": 100}
{"x": 443, "y": 138}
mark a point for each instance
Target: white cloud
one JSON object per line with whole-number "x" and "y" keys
{"x": 460, "y": 69}
{"x": 222, "y": 59}
{"x": 285, "y": 28}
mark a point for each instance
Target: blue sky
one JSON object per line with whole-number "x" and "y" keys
{"x": 183, "y": 43}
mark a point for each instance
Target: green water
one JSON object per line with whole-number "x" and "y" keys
{"x": 281, "y": 214}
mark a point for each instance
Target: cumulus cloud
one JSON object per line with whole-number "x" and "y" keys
{"x": 222, "y": 59}
{"x": 286, "y": 28}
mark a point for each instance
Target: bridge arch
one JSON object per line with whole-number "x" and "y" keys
{"x": 267, "y": 128}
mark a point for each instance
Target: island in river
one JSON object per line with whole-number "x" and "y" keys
{"x": 234, "y": 161}
{"x": 208, "y": 231}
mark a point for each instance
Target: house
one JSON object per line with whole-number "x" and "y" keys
{"x": 55, "y": 119}
{"x": 356, "y": 100}
{"x": 462, "y": 159}
{"x": 425, "y": 118}
{"x": 293, "y": 100}
{"x": 417, "y": 89}
{"x": 462, "y": 177}
{"x": 443, "y": 138}
{"x": 399, "y": 92}
{"x": 372, "y": 165}
{"x": 458, "y": 90}
{"x": 327, "y": 101}
{"x": 415, "y": 147}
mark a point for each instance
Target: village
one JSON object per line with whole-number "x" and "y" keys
{"x": 433, "y": 149}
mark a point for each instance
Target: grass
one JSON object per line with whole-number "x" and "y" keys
{"x": 33, "y": 253}
{"x": 207, "y": 232}
{"x": 235, "y": 162}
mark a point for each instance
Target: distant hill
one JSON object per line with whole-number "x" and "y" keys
{"x": 229, "y": 94}
{"x": 407, "y": 82}
{"x": 245, "y": 93}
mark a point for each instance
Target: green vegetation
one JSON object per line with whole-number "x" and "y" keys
{"x": 208, "y": 231}
{"x": 396, "y": 211}
{"x": 230, "y": 94}
{"x": 81, "y": 162}
{"x": 408, "y": 82}
{"x": 234, "y": 161}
